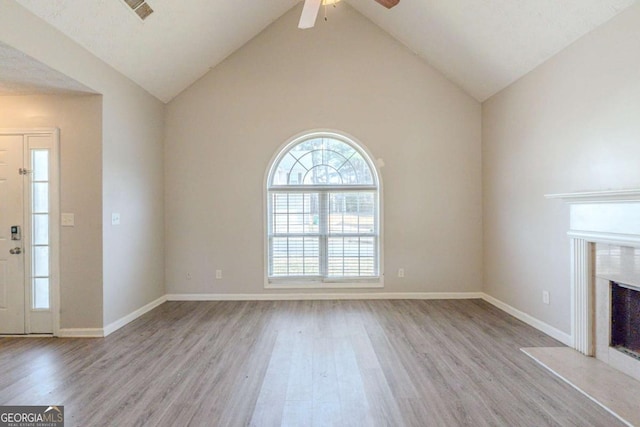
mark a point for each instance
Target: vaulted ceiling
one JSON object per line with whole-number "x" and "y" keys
{"x": 482, "y": 46}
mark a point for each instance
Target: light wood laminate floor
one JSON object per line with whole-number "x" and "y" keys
{"x": 290, "y": 363}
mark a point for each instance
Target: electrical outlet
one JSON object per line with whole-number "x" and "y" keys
{"x": 218, "y": 274}
{"x": 189, "y": 276}
{"x": 401, "y": 272}
{"x": 545, "y": 297}
{"x": 67, "y": 219}
{"x": 115, "y": 218}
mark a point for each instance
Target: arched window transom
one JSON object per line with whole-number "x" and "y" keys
{"x": 322, "y": 161}
{"x": 323, "y": 212}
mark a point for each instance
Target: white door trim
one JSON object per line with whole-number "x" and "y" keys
{"x": 54, "y": 228}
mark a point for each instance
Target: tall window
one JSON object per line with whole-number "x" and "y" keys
{"x": 323, "y": 212}
{"x": 40, "y": 228}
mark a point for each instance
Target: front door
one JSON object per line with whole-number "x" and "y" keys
{"x": 28, "y": 238}
{"x": 12, "y": 251}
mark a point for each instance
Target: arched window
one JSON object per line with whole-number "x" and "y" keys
{"x": 323, "y": 212}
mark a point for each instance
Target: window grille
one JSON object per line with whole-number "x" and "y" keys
{"x": 323, "y": 212}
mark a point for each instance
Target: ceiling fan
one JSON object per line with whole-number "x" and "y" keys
{"x": 311, "y": 8}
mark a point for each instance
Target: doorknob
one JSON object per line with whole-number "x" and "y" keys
{"x": 15, "y": 251}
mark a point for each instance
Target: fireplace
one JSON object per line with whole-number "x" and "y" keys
{"x": 625, "y": 319}
{"x": 604, "y": 228}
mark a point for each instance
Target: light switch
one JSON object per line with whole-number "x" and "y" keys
{"x": 115, "y": 218}
{"x": 67, "y": 219}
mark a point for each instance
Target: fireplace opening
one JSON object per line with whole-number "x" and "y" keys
{"x": 625, "y": 319}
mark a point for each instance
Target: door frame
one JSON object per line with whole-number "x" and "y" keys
{"x": 54, "y": 226}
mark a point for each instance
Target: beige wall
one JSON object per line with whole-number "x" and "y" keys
{"x": 79, "y": 119}
{"x": 346, "y": 75}
{"x": 570, "y": 125}
{"x": 133, "y": 187}
{"x": 132, "y": 168}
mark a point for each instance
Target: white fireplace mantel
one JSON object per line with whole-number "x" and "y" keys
{"x": 611, "y": 217}
{"x": 604, "y": 216}
{"x": 606, "y": 196}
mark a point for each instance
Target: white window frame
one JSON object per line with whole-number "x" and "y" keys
{"x": 324, "y": 282}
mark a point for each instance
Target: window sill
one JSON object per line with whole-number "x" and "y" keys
{"x": 285, "y": 284}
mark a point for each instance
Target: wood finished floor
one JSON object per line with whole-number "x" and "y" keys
{"x": 300, "y": 363}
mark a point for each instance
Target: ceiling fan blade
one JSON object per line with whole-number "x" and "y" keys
{"x": 309, "y": 13}
{"x": 388, "y": 3}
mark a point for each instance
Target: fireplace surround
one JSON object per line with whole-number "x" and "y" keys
{"x": 605, "y": 248}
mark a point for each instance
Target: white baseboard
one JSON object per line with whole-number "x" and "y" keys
{"x": 114, "y": 326}
{"x": 324, "y": 296}
{"x": 27, "y": 336}
{"x": 563, "y": 337}
{"x": 81, "y": 333}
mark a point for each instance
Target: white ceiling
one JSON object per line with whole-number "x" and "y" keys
{"x": 482, "y": 46}
{"x": 173, "y": 47}
{"x": 20, "y": 74}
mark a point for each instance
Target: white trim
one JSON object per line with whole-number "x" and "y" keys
{"x": 582, "y": 296}
{"x": 22, "y": 131}
{"x": 607, "y": 196}
{"x": 27, "y": 237}
{"x": 293, "y": 284}
{"x": 114, "y": 326}
{"x": 608, "y": 238}
{"x": 311, "y": 188}
{"x": 26, "y": 336}
{"x": 563, "y": 337}
{"x": 55, "y": 182}
{"x": 326, "y": 296}
{"x": 530, "y": 320}
{"x": 81, "y": 333}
